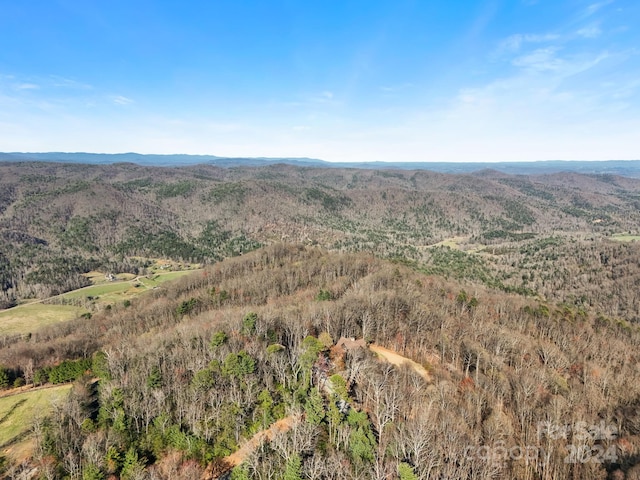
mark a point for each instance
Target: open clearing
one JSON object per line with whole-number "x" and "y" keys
{"x": 27, "y": 318}
{"x": 124, "y": 289}
{"x": 98, "y": 278}
{"x": 453, "y": 242}
{"x": 98, "y": 290}
{"x": 623, "y": 237}
{"x": 17, "y": 413}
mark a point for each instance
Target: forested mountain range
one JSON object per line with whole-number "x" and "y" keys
{"x": 509, "y": 304}
{"x": 547, "y": 235}
{"x": 628, "y": 168}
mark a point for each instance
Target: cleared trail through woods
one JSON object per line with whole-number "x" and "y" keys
{"x": 397, "y": 359}
{"x": 254, "y": 442}
{"x": 221, "y": 469}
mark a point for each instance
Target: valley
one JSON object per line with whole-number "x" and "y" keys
{"x": 191, "y": 313}
{"x": 289, "y": 240}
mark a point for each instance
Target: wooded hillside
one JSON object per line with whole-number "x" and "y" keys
{"x": 494, "y": 321}
{"x": 59, "y": 221}
{"x": 187, "y": 374}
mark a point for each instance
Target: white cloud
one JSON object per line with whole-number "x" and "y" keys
{"x": 623, "y": 90}
{"x": 541, "y": 110}
{"x": 63, "y": 82}
{"x": 27, "y": 86}
{"x": 396, "y": 88}
{"x": 326, "y": 97}
{"x": 590, "y": 31}
{"x": 544, "y": 110}
{"x": 594, "y": 7}
{"x": 513, "y": 43}
{"x": 523, "y": 117}
{"x": 540, "y": 60}
{"x": 121, "y": 100}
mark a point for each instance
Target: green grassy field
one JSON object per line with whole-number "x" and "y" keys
{"x": 167, "y": 276}
{"x": 28, "y": 318}
{"x": 623, "y": 237}
{"x": 453, "y": 242}
{"x": 113, "y": 289}
{"x": 122, "y": 290}
{"x": 98, "y": 278}
{"x": 17, "y": 413}
{"x": 459, "y": 243}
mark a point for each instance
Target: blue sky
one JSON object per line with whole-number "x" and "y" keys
{"x": 419, "y": 80}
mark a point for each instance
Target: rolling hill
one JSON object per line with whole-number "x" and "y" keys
{"x": 491, "y": 384}
{"x": 58, "y": 221}
{"x": 489, "y": 312}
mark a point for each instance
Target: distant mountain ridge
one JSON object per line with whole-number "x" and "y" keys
{"x": 172, "y": 160}
{"x": 627, "y": 168}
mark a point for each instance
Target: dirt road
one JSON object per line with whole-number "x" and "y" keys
{"x": 397, "y": 359}
{"x": 222, "y": 468}
{"x": 254, "y": 442}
